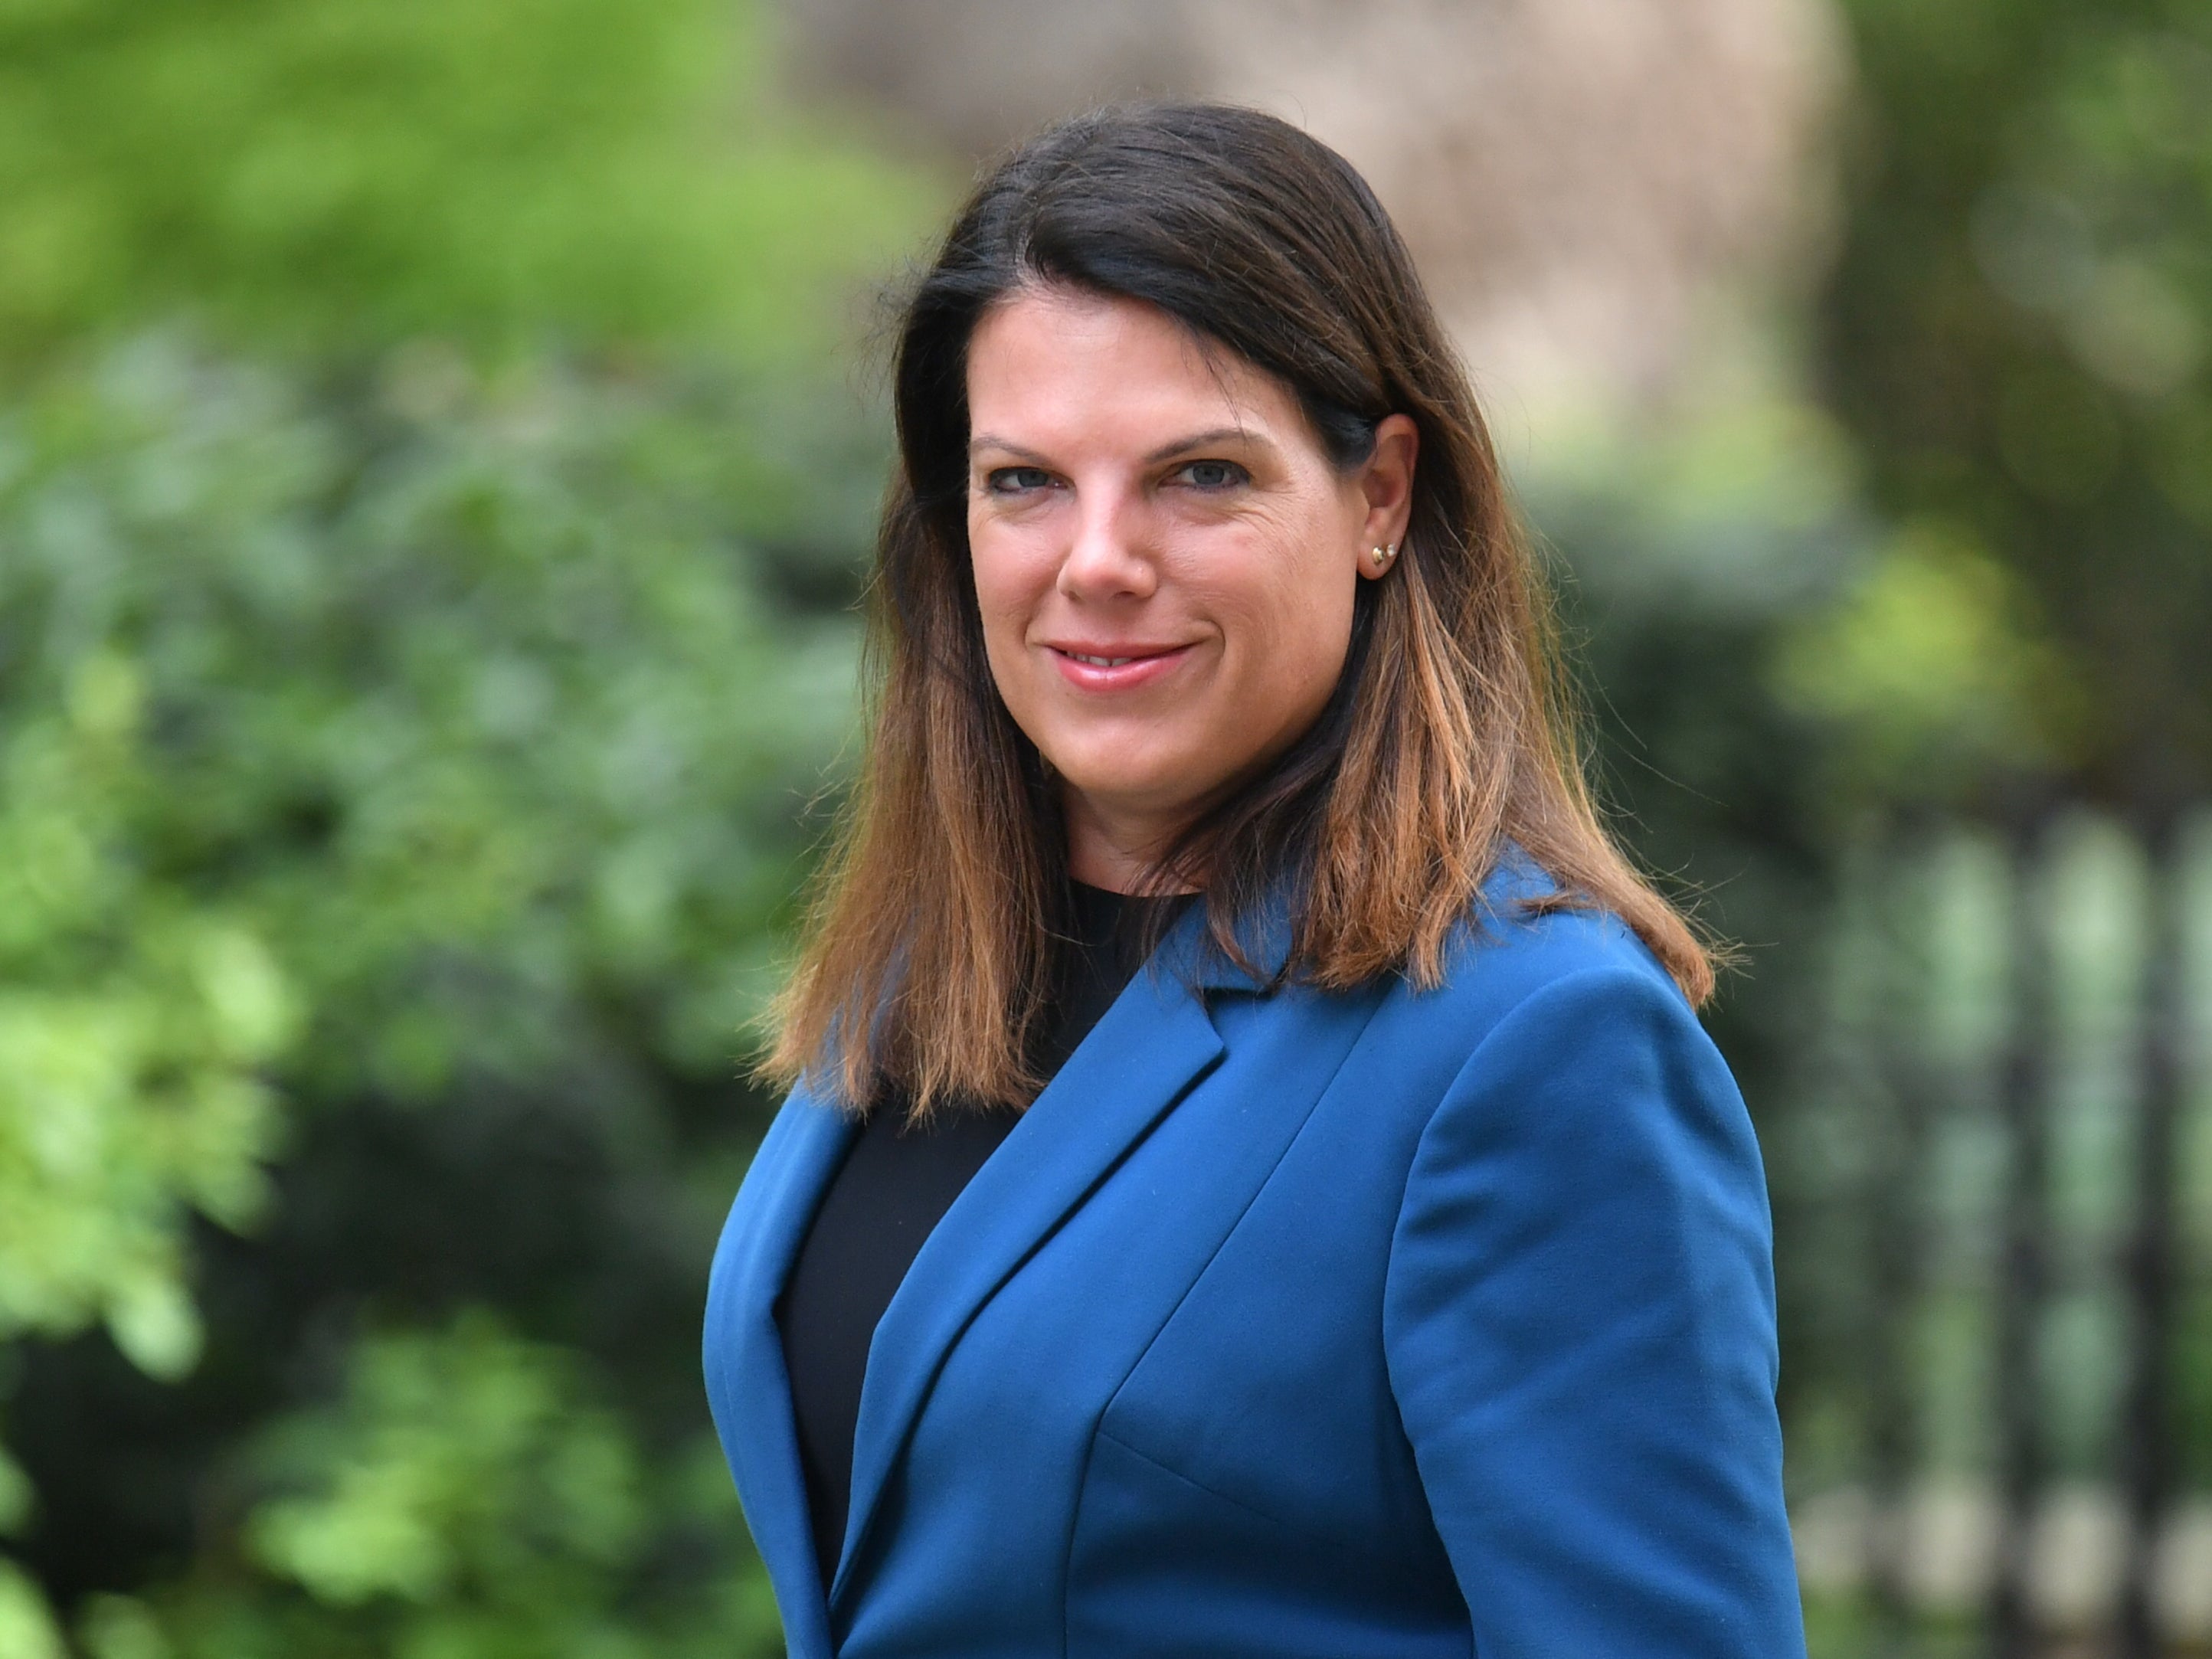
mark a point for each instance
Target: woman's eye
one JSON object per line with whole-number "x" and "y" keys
{"x": 1017, "y": 480}
{"x": 1212, "y": 474}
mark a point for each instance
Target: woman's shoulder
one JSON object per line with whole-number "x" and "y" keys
{"x": 1564, "y": 1043}
{"x": 1523, "y": 937}
{"x": 1538, "y": 994}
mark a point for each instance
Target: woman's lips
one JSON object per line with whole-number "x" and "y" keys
{"x": 1117, "y": 668}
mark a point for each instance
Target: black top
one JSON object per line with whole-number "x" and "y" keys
{"x": 894, "y": 1186}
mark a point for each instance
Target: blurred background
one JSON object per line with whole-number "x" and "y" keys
{"x": 438, "y": 445}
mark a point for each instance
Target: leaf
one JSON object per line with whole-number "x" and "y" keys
{"x": 27, "y": 1625}
{"x": 17, "y": 1500}
{"x": 153, "y": 1322}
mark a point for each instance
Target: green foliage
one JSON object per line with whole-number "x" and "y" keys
{"x": 469, "y": 1496}
{"x": 1928, "y": 670}
{"x": 464, "y": 1458}
{"x": 132, "y": 1022}
{"x": 362, "y": 754}
{"x": 440, "y": 729}
{"x": 2020, "y": 332}
{"x": 26, "y": 1629}
{"x": 341, "y": 176}
{"x": 403, "y": 775}
{"x": 1689, "y": 558}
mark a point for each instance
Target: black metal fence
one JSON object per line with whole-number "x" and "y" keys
{"x": 1994, "y": 1214}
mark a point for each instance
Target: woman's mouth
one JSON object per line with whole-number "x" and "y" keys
{"x": 1091, "y": 666}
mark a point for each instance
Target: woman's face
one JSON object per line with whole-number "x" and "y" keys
{"x": 1165, "y": 559}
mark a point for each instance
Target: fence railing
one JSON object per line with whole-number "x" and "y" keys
{"x": 1994, "y": 1214}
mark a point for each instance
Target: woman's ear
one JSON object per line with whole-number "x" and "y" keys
{"x": 1386, "y": 483}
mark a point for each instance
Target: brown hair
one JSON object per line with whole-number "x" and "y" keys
{"x": 932, "y": 940}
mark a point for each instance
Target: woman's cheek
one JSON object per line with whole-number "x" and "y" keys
{"x": 997, "y": 585}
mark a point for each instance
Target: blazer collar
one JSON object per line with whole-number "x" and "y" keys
{"x": 1137, "y": 1062}
{"x": 801, "y": 1153}
{"x": 1189, "y": 955}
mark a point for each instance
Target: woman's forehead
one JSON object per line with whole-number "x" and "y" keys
{"x": 1058, "y": 361}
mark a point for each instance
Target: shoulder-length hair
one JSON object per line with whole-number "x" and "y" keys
{"x": 931, "y": 946}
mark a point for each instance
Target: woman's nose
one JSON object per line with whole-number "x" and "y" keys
{"x": 1107, "y": 557}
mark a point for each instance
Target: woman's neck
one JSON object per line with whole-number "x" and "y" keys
{"x": 1118, "y": 856}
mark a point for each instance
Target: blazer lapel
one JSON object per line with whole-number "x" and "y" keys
{"x": 754, "y": 1390}
{"x": 1140, "y": 1059}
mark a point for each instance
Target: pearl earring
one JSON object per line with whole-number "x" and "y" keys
{"x": 1382, "y": 556}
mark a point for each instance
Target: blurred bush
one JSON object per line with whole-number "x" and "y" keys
{"x": 2019, "y": 334}
{"x": 335, "y": 178}
{"x": 429, "y": 494}
{"x": 361, "y": 764}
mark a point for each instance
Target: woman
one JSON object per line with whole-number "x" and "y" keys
{"x": 1382, "y": 1266}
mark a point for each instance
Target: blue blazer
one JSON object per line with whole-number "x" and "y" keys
{"x": 1296, "y": 1323}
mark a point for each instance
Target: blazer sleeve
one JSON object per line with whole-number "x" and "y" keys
{"x": 1579, "y": 1324}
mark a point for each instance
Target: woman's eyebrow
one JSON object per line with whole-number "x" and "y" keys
{"x": 1244, "y": 434}
{"x": 983, "y": 440}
